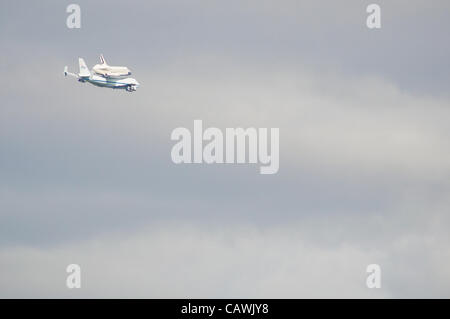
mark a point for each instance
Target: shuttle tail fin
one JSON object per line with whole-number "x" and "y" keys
{"x": 102, "y": 60}
{"x": 84, "y": 71}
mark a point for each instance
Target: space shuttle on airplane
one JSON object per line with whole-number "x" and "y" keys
{"x": 107, "y": 71}
{"x": 103, "y": 75}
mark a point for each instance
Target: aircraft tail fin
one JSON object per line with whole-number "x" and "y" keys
{"x": 84, "y": 71}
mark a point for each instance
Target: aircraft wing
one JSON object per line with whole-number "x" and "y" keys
{"x": 66, "y": 73}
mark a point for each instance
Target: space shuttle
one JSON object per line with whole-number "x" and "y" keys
{"x": 103, "y": 69}
{"x": 103, "y": 75}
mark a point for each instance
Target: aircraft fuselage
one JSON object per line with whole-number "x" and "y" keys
{"x": 123, "y": 83}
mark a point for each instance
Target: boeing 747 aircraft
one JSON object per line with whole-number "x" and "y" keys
{"x": 105, "y": 76}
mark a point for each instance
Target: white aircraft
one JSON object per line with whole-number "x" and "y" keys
{"x": 107, "y": 71}
{"x": 126, "y": 83}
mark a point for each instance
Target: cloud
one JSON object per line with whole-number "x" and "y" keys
{"x": 186, "y": 261}
{"x": 364, "y": 163}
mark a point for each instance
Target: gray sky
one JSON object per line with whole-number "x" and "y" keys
{"x": 87, "y": 178}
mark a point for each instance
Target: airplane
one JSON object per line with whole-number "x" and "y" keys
{"x": 84, "y": 75}
{"x": 107, "y": 71}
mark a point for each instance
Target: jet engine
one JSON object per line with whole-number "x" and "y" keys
{"x": 131, "y": 88}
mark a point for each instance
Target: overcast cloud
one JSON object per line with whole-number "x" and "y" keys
{"x": 86, "y": 175}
